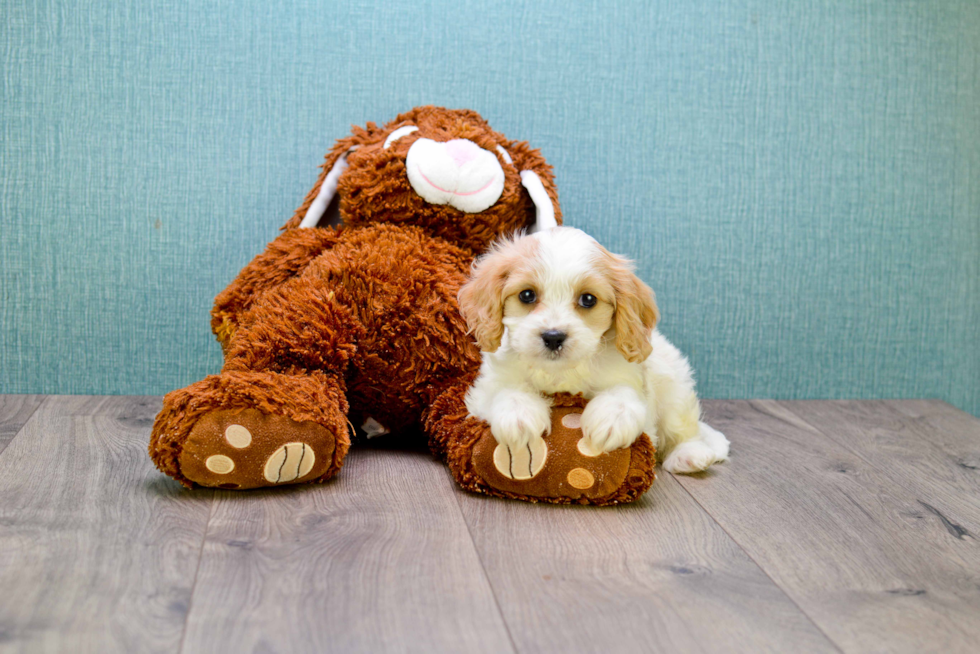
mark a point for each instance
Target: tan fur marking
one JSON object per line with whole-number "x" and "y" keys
{"x": 599, "y": 318}
{"x": 494, "y": 282}
{"x": 514, "y": 307}
{"x": 636, "y": 308}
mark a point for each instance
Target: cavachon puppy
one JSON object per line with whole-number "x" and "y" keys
{"x": 555, "y": 312}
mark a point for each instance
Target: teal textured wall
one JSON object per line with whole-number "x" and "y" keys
{"x": 799, "y": 181}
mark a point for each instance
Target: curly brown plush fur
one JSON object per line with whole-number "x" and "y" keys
{"x": 335, "y": 326}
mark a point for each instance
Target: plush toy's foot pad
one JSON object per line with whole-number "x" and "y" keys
{"x": 245, "y": 448}
{"x": 560, "y": 468}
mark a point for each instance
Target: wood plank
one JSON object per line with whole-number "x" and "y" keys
{"x": 14, "y": 412}
{"x": 840, "y": 529}
{"x": 656, "y": 575}
{"x": 97, "y": 549}
{"x": 951, "y": 430}
{"x": 378, "y": 559}
{"x": 923, "y": 454}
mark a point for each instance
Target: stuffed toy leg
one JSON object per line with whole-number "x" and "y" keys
{"x": 558, "y": 472}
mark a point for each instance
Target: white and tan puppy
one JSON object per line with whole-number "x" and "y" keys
{"x": 556, "y": 312}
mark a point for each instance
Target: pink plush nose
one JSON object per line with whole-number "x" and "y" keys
{"x": 462, "y": 150}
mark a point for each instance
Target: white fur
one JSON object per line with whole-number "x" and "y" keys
{"x": 655, "y": 396}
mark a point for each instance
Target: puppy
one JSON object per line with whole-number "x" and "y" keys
{"x": 556, "y": 312}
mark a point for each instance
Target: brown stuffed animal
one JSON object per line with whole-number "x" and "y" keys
{"x": 350, "y": 318}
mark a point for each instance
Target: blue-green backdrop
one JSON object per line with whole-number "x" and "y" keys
{"x": 798, "y": 180}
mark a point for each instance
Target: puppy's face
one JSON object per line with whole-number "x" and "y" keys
{"x": 559, "y": 294}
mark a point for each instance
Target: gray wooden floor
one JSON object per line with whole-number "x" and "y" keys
{"x": 837, "y": 526}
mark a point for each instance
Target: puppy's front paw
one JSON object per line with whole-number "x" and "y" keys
{"x": 612, "y": 421}
{"x": 519, "y": 419}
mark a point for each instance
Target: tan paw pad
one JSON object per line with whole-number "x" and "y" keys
{"x": 521, "y": 462}
{"x": 219, "y": 464}
{"x": 238, "y": 436}
{"x": 580, "y": 478}
{"x": 585, "y": 448}
{"x": 289, "y": 463}
{"x": 245, "y": 448}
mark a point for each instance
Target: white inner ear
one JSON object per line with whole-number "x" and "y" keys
{"x": 398, "y": 133}
{"x": 543, "y": 209}
{"x": 505, "y": 154}
{"x": 327, "y": 190}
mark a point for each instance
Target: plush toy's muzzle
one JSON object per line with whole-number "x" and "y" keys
{"x": 444, "y": 170}
{"x": 458, "y": 173}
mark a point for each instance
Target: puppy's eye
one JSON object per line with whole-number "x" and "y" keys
{"x": 587, "y": 300}
{"x": 527, "y": 296}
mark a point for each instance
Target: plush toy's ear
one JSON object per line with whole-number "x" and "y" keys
{"x": 544, "y": 210}
{"x": 538, "y": 179}
{"x": 317, "y": 202}
{"x": 328, "y": 188}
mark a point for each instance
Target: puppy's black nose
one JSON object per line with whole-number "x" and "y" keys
{"x": 553, "y": 339}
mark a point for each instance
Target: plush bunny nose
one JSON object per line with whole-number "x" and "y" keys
{"x": 462, "y": 151}
{"x": 458, "y": 173}
{"x": 553, "y": 339}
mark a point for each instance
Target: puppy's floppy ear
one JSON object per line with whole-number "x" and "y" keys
{"x": 481, "y": 300}
{"x": 636, "y": 308}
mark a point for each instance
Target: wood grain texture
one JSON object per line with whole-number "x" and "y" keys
{"x": 377, "y": 560}
{"x": 655, "y": 576}
{"x": 97, "y": 549}
{"x": 837, "y": 502}
{"x": 929, "y": 455}
{"x": 14, "y": 412}
{"x": 951, "y": 431}
{"x": 846, "y": 526}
